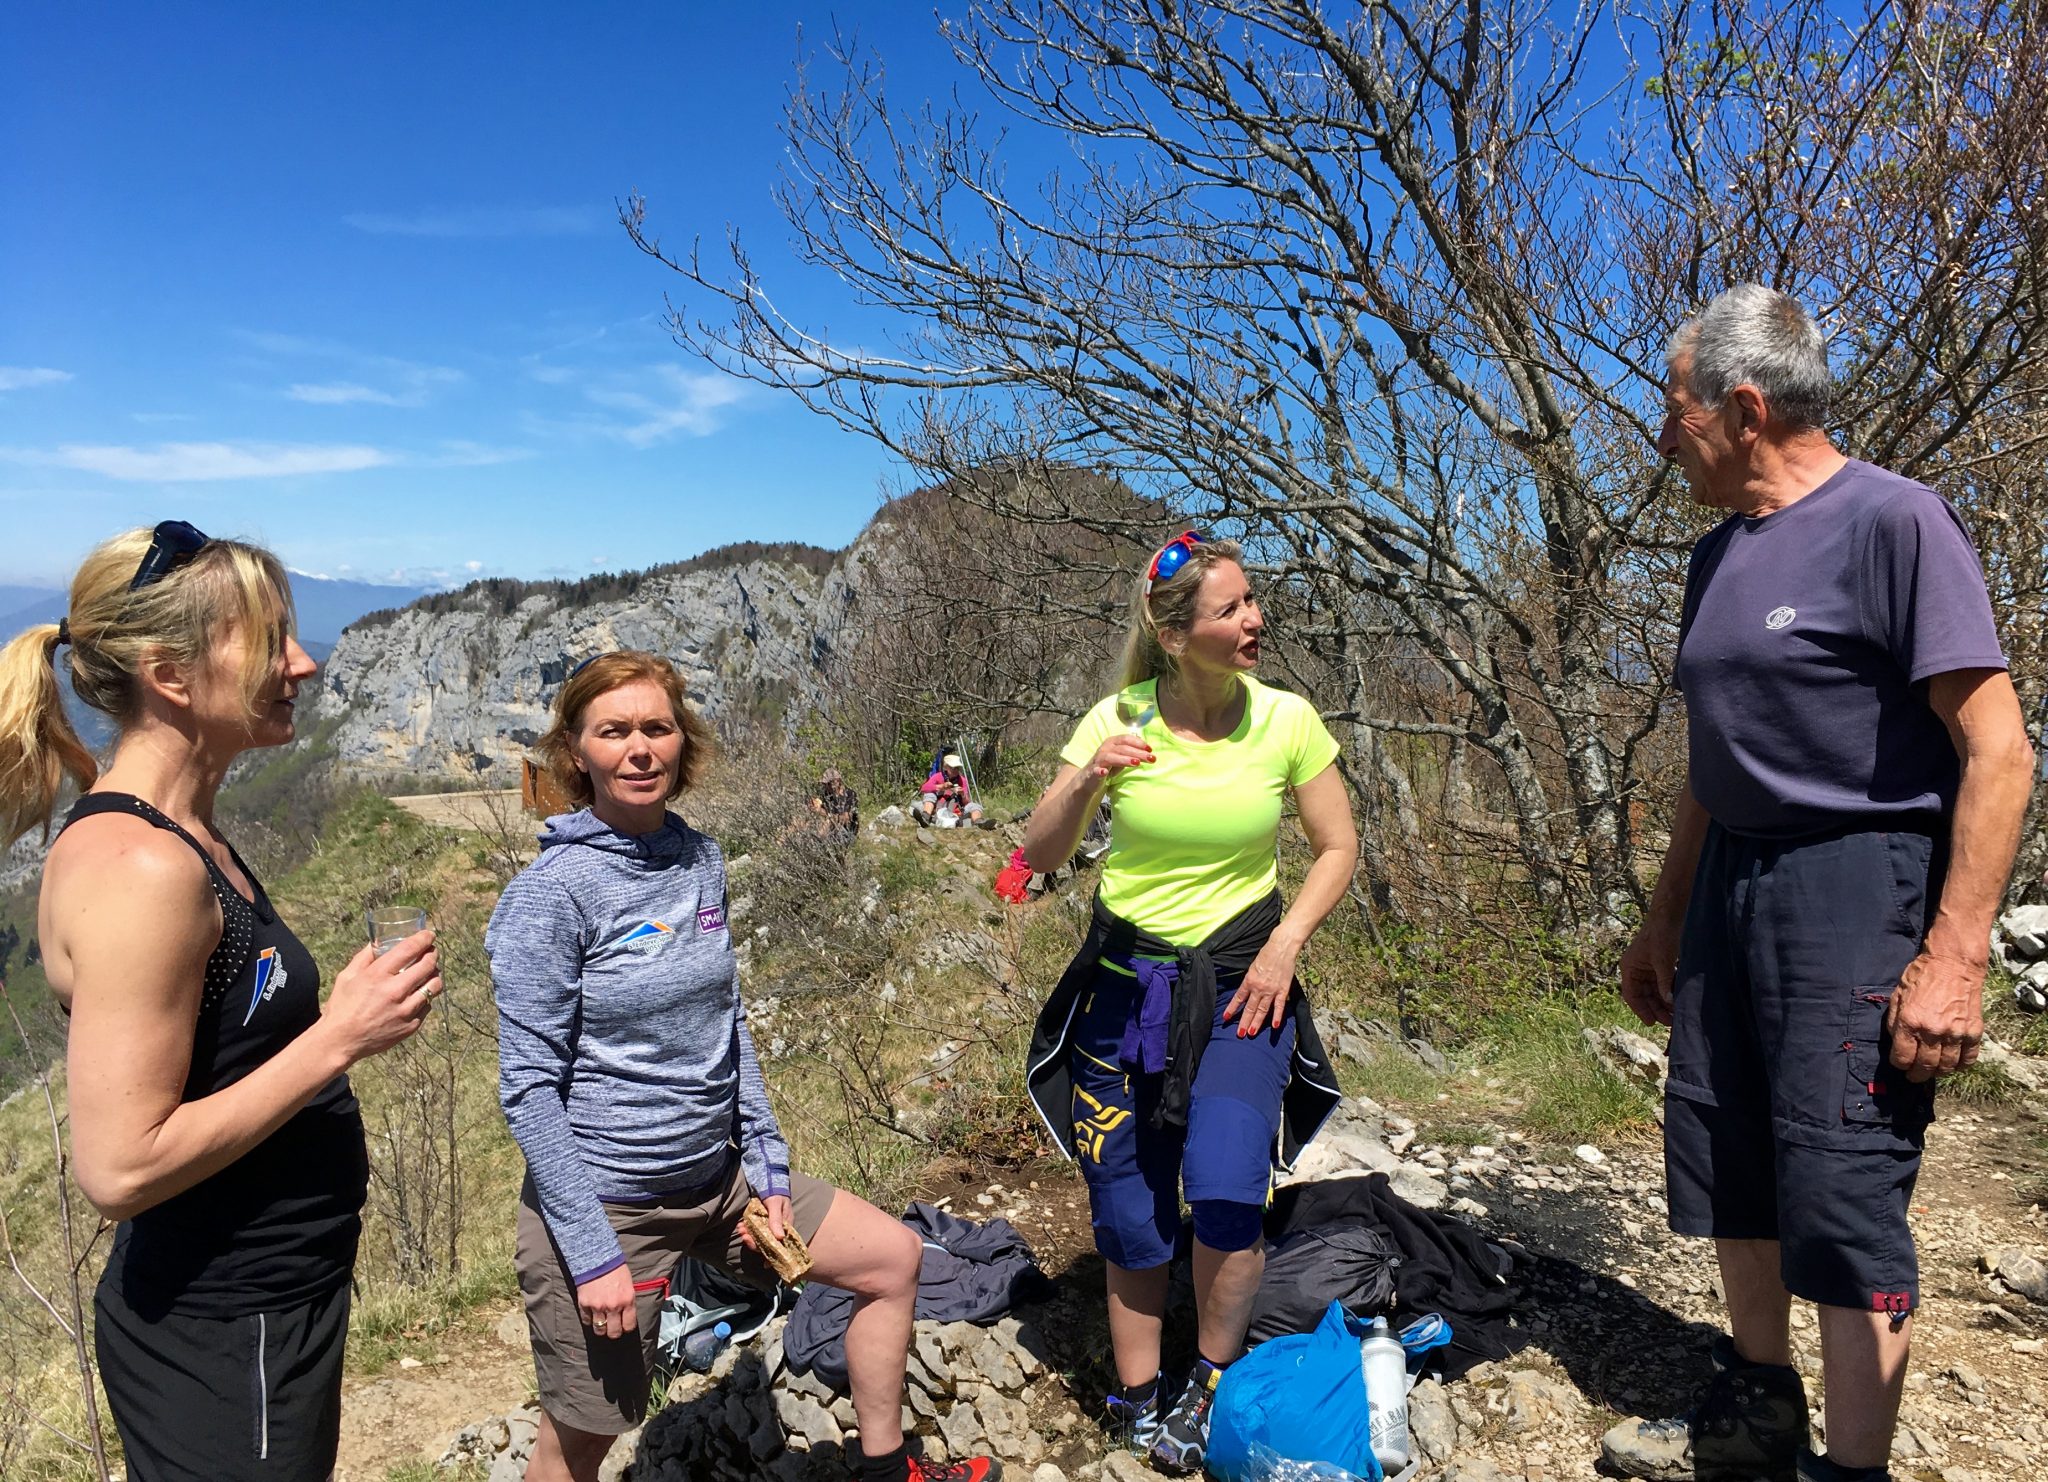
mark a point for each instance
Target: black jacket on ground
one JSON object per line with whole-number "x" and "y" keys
{"x": 1445, "y": 1265}
{"x": 1311, "y": 1093}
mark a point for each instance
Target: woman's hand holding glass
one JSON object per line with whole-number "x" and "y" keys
{"x": 380, "y": 999}
{"x": 1122, "y": 750}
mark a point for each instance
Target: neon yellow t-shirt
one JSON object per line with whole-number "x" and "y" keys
{"x": 1196, "y": 828}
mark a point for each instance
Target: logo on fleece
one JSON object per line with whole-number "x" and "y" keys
{"x": 270, "y": 976}
{"x": 646, "y": 934}
{"x": 711, "y": 918}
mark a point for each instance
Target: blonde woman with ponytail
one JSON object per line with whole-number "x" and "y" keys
{"x": 210, "y": 1109}
{"x": 1176, "y": 1056}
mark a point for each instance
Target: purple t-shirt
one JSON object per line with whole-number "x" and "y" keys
{"x": 1805, "y": 639}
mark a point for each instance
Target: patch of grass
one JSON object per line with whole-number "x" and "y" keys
{"x": 1391, "y": 1077}
{"x": 1572, "y": 1098}
{"x": 904, "y": 871}
{"x": 426, "y": 1471}
{"x": 1982, "y": 1084}
{"x": 2006, "y": 1020}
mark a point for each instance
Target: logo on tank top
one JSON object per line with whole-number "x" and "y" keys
{"x": 1779, "y": 617}
{"x": 270, "y": 976}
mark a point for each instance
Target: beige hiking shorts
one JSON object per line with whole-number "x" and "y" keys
{"x": 601, "y": 1384}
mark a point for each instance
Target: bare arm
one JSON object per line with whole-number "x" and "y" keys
{"x": 1937, "y": 1013}
{"x": 1063, "y": 810}
{"x": 1650, "y": 961}
{"x": 135, "y": 918}
{"x": 1332, "y": 836}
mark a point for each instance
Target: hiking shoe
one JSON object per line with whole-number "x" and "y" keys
{"x": 1819, "y": 1469}
{"x": 1184, "y": 1435}
{"x": 1135, "y": 1428}
{"x": 968, "y": 1469}
{"x": 1749, "y": 1426}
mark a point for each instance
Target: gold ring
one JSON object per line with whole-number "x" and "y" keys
{"x": 600, "y": 1324}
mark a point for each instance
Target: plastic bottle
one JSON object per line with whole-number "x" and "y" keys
{"x": 1386, "y": 1395}
{"x": 702, "y": 1347}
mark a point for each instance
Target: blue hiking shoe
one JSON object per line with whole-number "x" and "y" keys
{"x": 1183, "y": 1442}
{"x": 1135, "y": 1427}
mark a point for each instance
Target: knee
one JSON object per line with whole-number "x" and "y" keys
{"x": 1226, "y": 1224}
{"x": 892, "y": 1273}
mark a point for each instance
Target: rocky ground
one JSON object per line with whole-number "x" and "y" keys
{"x": 1618, "y": 1313}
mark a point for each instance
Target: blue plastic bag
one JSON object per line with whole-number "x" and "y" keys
{"x": 1301, "y": 1397}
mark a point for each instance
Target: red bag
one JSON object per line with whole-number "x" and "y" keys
{"x": 1013, "y": 881}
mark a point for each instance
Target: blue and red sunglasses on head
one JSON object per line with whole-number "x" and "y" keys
{"x": 1172, "y": 556}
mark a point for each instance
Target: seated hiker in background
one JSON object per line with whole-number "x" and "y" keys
{"x": 210, "y": 1107}
{"x": 1176, "y": 1056}
{"x": 631, "y": 1085}
{"x": 944, "y": 801}
{"x": 836, "y": 804}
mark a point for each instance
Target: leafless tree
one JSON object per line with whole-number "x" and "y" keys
{"x": 1383, "y": 287}
{"x": 976, "y": 622}
{"x": 65, "y": 1306}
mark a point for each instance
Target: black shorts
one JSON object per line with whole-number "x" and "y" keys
{"x": 234, "y": 1399}
{"x": 1784, "y": 1117}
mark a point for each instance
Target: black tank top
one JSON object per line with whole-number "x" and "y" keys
{"x": 278, "y": 1226}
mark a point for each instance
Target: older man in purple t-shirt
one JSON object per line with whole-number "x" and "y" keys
{"x": 1817, "y": 940}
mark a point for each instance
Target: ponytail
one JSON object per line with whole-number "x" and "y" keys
{"x": 38, "y": 747}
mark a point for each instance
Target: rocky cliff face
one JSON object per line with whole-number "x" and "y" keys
{"x": 464, "y": 692}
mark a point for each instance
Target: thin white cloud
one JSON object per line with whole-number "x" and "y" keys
{"x": 678, "y": 403}
{"x": 411, "y": 385}
{"x": 180, "y": 463}
{"x": 461, "y": 453}
{"x": 483, "y": 221}
{"x": 342, "y": 393}
{"x": 21, "y": 377}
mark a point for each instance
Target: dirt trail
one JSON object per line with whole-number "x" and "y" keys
{"x": 481, "y": 812}
{"x": 408, "y": 1415}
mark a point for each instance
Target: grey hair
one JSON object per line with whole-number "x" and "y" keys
{"x": 1750, "y": 335}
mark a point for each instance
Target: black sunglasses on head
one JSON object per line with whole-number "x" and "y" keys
{"x": 171, "y": 544}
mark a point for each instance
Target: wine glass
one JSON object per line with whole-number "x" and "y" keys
{"x": 1136, "y": 709}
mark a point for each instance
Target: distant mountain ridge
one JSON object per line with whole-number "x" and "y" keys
{"x": 458, "y": 684}
{"x": 325, "y": 604}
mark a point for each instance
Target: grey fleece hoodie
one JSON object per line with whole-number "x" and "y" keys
{"x": 624, "y": 1063}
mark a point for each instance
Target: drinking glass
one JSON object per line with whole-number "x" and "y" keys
{"x": 1136, "y": 710}
{"x": 390, "y": 925}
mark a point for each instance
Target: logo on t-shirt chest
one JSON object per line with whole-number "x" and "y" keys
{"x": 1779, "y": 617}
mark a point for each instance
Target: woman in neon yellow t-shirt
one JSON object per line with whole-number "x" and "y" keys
{"x": 1177, "y": 1051}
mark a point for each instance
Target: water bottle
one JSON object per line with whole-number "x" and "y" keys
{"x": 702, "y": 1347}
{"x": 1386, "y": 1395}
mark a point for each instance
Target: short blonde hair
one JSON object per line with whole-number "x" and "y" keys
{"x": 556, "y": 751}
{"x": 115, "y": 630}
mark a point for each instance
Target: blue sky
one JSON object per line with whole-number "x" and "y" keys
{"x": 348, "y": 280}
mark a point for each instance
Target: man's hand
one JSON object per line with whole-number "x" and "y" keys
{"x": 1936, "y": 1016}
{"x": 1648, "y": 965}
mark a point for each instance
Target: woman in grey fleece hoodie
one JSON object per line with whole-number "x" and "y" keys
{"x": 630, "y": 1082}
